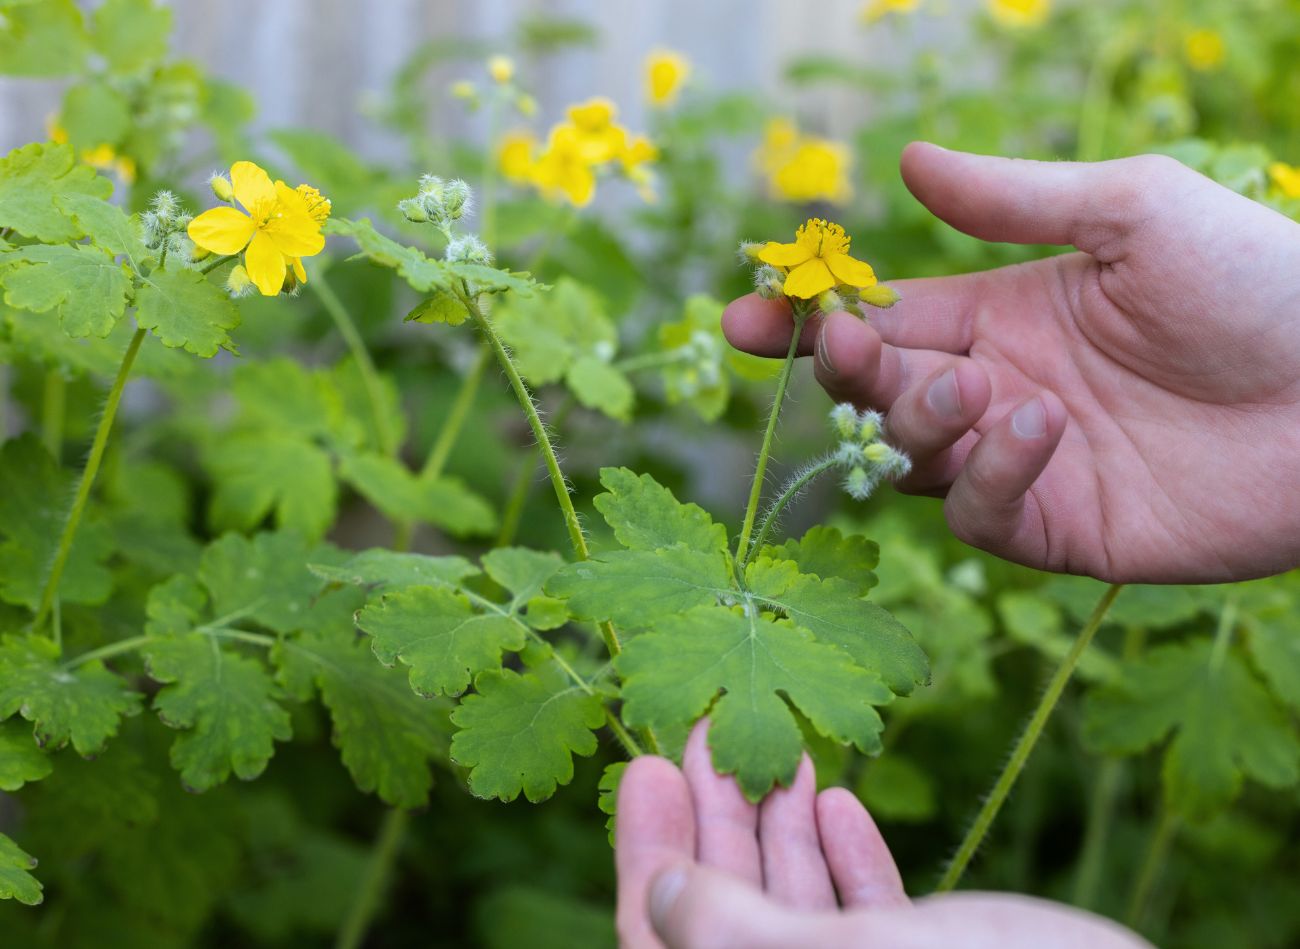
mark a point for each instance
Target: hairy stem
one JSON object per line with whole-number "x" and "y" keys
{"x": 347, "y": 327}
{"x": 1157, "y": 852}
{"x": 88, "y": 474}
{"x": 760, "y": 467}
{"x": 792, "y": 491}
{"x": 1025, "y": 744}
{"x": 375, "y": 881}
{"x": 522, "y": 486}
{"x": 215, "y": 262}
{"x": 454, "y": 423}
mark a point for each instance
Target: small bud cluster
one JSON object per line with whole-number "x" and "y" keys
{"x": 501, "y": 70}
{"x": 438, "y": 202}
{"x": 163, "y": 228}
{"x": 861, "y": 454}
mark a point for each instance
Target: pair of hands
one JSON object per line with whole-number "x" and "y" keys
{"x": 1130, "y": 412}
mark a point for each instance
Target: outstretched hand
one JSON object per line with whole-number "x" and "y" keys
{"x": 699, "y": 867}
{"x": 1130, "y": 412}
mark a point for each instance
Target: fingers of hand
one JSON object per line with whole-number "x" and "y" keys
{"x": 694, "y": 907}
{"x": 932, "y": 416}
{"x": 854, "y": 365}
{"x": 655, "y": 828}
{"x": 986, "y": 504}
{"x": 727, "y": 836}
{"x": 861, "y": 866}
{"x": 763, "y": 327}
{"x": 794, "y": 869}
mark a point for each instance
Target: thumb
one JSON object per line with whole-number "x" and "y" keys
{"x": 695, "y": 907}
{"x": 1096, "y": 206}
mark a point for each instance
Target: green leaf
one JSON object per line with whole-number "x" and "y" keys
{"x": 94, "y": 114}
{"x": 1036, "y": 621}
{"x": 16, "y": 882}
{"x": 598, "y": 385}
{"x": 186, "y": 310}
{"x": 1225, "y": 725}
{"x": 483, "y": 278}
{"x": 225, "y": 704}
{"x": 402, "y": 495}
{"x": 81, "y": 704}
{"x": 646, "y": 516}
{"x": 107, "y": 226}
{"x": 45, "y": 38}
{"x": 834, "y": 612}
{"x": 825, "y": 552}
{"x": 34, "y": 499}
{"x": 33, "y": 178}
{"x": 521, "y": 571}
{"x": 21, "y": 758}
{"x": 897, "y": 789}
{"x": 264, "y": 578}
{"x": 520, "y": 732}
{"x": 87, "y": 285}
{"x": 548, "y": 333}
{"x": 742, "y": 670}
{"x": 396, "y": 571}
{"x": 544, "y": 612}
{"x": 607, "y": 797}
{"x": 132, "y": 34}
{"x": 264, "y": 473}
{"x": 385, "y": 733}
{"x": 440, "y": 636}
{"x": 440, "y": 308}
{"x": 411, "y": 265}
{"x": 637, "y": 588}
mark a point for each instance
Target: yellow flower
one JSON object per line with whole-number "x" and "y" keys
{"x": 598, "y": 137}
{"x": 1020, "y": 13}
{"x": 640, "y": 151}
{"x": 879, "y": 9}
{"x": 665, "y": 71}
{"x": 565, "y": 167}
{"x": 1205, "y": 49}
{"x": 103, "y": 157}
{"x": 281, "y": 227}
{"x": 517, "y": 156}
{"x": 803, "y": 167}
{"x": 501, "y": 69}
{"x": 817, "y": 261}
{"x": 1286, "y": 179}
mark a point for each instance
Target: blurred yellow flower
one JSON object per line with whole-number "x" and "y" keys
{"x": 598, "y": 136}
{"x": 517, "y": 156}
{"x": 1020, "y": 13}
{"x": 102, "y": 157}
{"x": 639, "y": 153}
{"x": 501, "y": 69}
{"x": 1205, "y": 49}
{"x": 665, "y": 71}
{"x": 1285, "y": 178}
{"x": 281, "y": 226}
{"x": 802, "y": 167}
{"x": 564, "y": 168}
{"x": 879, "y": 9}
{"x": 817, "y": 261}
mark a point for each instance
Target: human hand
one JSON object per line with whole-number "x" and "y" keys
{"x": 1131, "y": 412}
{"x": 699, "y": 867}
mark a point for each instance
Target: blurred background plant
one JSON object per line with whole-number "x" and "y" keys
{"x": 621, "y": 152}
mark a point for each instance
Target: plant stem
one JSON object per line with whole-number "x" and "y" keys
{"x": 215, "y": 262}
{"x": 87, "y": 482}
{"x": 515, "y": 503}
{"x": 651, "y": 361}
{"x": 1157, "y": 852}
{"x": 456, "y": 416}
{"x": 760, "y": 467}
{"x": 374, "y": 882}
{"x": 347, "y": 328}
{"x": 791, "y": 491}
{"x": 624, "y": 736}
{"x": 1025, "y": 744}
{"x": 53, "y": 402}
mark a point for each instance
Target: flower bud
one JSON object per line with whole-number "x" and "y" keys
{"x": 457, "y": 199}
{"x": 413, "y": 210}
{"x": 845, "y": 419}
{"x": 467, "y": 249}
{"x": 830, "y": 302}
{"x": 164, "y": 207}
{"x": 869, "y": 426}
{"x": 769, "y": 283}
{"x": 198, "y": 253}
{"x": 748, "y": 251}
{"x": 501, "y": 69}
{"x": 859, "y": 484}
{"x": 880, "y": 296}
{"x": 878, "y": 452}
{"x": 220, "y": 186}
{"x": 238, "y": 283}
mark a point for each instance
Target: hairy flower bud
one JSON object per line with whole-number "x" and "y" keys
{"x": 164, "y": 206}
{"x": 768, "y": 282}
{"x": 467, "y": 249}
{"x": 880, "y": 296}
{"x": 413, "y": 210}
{"x": 457, "y": 199}
{"x": 238, "y": 283}
{"x": 844, "y": 417}
{"x": 748, "y": 251}
{"x": 869, "y": 426}
{"x": 221, "y": 187}
{"x": 828, "y": 301}
{"x": 860, "y": 483}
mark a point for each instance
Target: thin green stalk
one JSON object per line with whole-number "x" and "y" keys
{"x": 760, "y": 467}
{"x": 456, "y": 416}
{"x": 53, "y": 403}
{"x": 791, "y": 491}
{"x": 88, "y": 474}
{"x": 1157, "y": 852}
{"x": 347, "y": 328}
{"x": 1025, "y": 744}
{"x": 651, "y": 360}
{"x": 523, "y": 483}
{"x": 374, "y": 882}
{"x": 215, "y": 262}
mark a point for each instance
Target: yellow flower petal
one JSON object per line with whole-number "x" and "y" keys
{"x": 221, "y": 230}
{"x": 809, "y": 279}
{"x": 298, "y": 270}
{"x": 784, "y": 255}
{"x": 265, "y": 264}
{"x": 291, "y": 226}
{"x": 848, "y": 270}
{"x": 579, "y": 185}
{"x": 251, "y": 185}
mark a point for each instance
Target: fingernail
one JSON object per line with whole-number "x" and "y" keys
{"x": 943, "y": 396}
{"x": 1030, "y": 420}
{"x": 823, "y": 357}
{"x": 663, "y": 894}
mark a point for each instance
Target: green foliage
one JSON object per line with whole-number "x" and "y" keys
{"x": 16, "y": 883}
{"x": 32, "y": 181}
{"x": 87, "y": 286}
{"x": 21, "y": 758}
{"x": 185, "y": 310}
